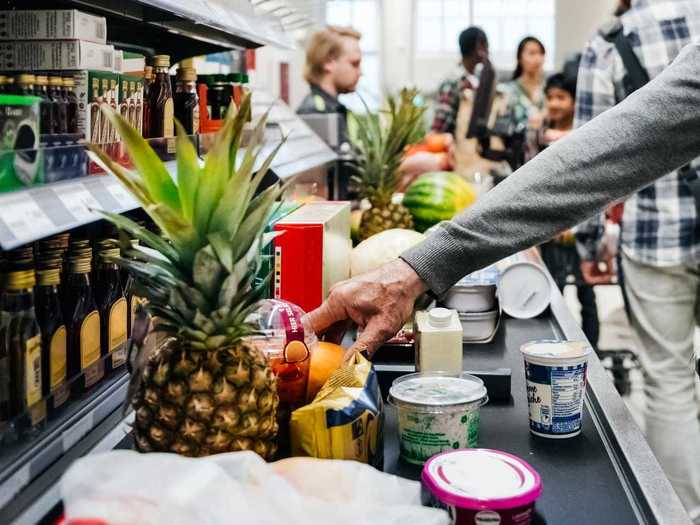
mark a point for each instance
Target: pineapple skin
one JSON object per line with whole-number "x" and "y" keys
{"x": 197, "y": 403}
{"x": 380, "y": 218}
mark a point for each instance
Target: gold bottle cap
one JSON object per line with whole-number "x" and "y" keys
{"x": 55, "y": 81}
{"x": 42, "y": 80}
{"x": 80, "y": 264}
{"x": 161, "y": 61}
{"x": 49, "y": 277}
{"x": 25, "y": 78}
{"x": 188, "y": 74}
{"x": 20, "y": 280}
{"x": 3, "y": 79}
{"x": 10, "y": 81}
{"x": 68, "y": 81}
{"x": 187, "y": 63}
{"x": 109, "y": 253}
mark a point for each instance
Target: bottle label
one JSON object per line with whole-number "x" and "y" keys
{"x": 57, "y": 358}
{"x": 168, "y": 118}
{"x": 116, "y": 334}
{"x": 94, "y": 373}
{"x": 90, "y": 340}
{"x": 195, "y": 118}
{"x": 32, "y": 369}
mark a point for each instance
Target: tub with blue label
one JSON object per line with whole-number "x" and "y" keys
{"x": 555, "y": 374}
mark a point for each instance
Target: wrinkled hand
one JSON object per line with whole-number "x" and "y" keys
{"x": 597, "y": 272}
{"x": 379, "y": 302}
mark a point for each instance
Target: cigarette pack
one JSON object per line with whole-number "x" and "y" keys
{"x": 57, "y": 24}
{"x": 55, "y": 54}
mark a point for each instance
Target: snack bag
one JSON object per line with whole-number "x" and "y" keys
{"x": 345, "y": 419}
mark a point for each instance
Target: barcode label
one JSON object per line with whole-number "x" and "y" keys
{"x": 78, "y": 201}
{"x": 107, "y": 59}
{"x": 24, "y": 218}
{"x": 100, "y": 33}
{"x": 36, "y": 366}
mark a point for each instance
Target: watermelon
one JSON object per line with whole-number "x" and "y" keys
{"x": 437, "y": 196}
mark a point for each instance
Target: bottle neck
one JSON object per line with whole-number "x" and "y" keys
{"x": 18, "y": 300}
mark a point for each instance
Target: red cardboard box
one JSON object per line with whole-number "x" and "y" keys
{"x": 313, "y": 254}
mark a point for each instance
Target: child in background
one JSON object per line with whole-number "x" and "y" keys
{"x": 560, "y": 254}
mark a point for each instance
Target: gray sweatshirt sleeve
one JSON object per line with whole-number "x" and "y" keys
{"x": 652, "y": 132}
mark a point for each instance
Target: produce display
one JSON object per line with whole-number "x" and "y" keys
{"x": 382, "y": 248}
{"x": 208, "y": 390}
{"x": 436, "y": 197}
{"x": 380, "y": 142}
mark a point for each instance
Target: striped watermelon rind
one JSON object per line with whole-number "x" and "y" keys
{"x": 437, "y": 196}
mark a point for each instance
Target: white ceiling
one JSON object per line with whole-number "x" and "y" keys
{"x": 293, "y": 14}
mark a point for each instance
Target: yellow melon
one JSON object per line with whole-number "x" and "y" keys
{"x": 326, "y": 358}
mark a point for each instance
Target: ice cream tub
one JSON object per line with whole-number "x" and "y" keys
{"x": 482, "y": 487}
{"x": 555, "y": 373}
{"x": 524, "y": 290}
{"x": 436, "y": 412}
{"x": 479, "y": 327}
{"x": 474, "y": 293}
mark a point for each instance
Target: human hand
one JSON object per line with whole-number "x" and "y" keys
{"x": 379, "y": 302}
{"x": 597, "y": 272}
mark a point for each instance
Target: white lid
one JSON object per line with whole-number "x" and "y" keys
{"x": 556, "y": 349}
{"x": 440, "y": 317}
{"x": 524, "y": 290}
{"x": 436, "y": 389}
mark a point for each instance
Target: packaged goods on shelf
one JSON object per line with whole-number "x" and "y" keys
{"x": 313, "y": 254}
{"x": 118, "y": 61}
{"x": 21, "y": 162}
{"x": 52, "y": 25}
{"x": 56, "y": 54}
{"x": 134, "y": 64}
{"x": 93, "y": 88}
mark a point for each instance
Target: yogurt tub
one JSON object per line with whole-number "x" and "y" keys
{"x": 555, "y": 373}
{"x": 437, "y": 412}
{"x": 478, "y": 326}
{"x": 524, "y": 290}
{"x": 482, "y": 486}
{"x": 474, "y": 293}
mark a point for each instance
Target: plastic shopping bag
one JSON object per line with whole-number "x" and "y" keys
{"x": 128, "y": 488}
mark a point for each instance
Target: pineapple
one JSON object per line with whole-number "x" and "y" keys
{"x": 380, "y": 144}
{"x": 207, "y": 389}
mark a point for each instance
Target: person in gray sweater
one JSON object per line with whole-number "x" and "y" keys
{"x": 652, "y": 132}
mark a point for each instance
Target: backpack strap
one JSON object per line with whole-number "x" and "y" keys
{"x": 635, "y": 74}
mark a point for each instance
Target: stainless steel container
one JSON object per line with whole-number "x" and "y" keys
{"x": 479, "y": 327}
{"x": 474, "y": 293}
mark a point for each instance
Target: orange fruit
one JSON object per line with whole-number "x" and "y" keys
{"x": 326, "y": 358}
{"x": 436, "y": 142}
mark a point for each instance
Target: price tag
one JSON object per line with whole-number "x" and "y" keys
{"x": 13, "y": 485}
{"x": 25, "y": 219}
{"x": 121, "y": 194}
{"x": 75, "y": 433}
{"x": 78, "y": 201}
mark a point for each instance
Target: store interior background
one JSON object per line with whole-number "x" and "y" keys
{"x": 414, "y": 42}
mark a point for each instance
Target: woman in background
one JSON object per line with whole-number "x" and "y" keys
{"x": 526, "y": 91}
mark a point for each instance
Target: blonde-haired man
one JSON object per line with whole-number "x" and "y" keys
{"x": 333, "y": 59}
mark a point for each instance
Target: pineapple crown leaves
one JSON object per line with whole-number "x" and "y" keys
{"x": 199, "y": 278}
{"x": 380, "y": 140}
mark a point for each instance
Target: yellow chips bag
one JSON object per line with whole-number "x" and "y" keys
{"x": 345, "y": 420}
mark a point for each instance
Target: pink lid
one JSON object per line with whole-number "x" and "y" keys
{"x": 481, "y": 478}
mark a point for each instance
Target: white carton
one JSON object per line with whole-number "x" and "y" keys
{"x": 58, "y": 24}
{"x": 438, "y": 341}
{"x": 55, "y": 54}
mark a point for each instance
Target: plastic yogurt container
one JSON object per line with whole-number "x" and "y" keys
{"x": 437, "y": 412}
{"x": 524, "y": 290}
{"x": 555, "y": 373}
{"x": 474, "y": 293}
{"x": 482, "y": 487}
{"x": 478, "y": 326}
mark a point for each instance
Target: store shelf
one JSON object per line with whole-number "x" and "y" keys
{"x": 182, "y": 28}
{"x": 23, "y": 462}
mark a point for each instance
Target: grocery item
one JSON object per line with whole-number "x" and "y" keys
{"x": 207, "y": 389}
{"x": 524, "y": 290}
{"x": 437, "y": 196}
{"x": 345, "y": 419}
{"x": 438, "y": 142}
{"x": 186, "y": 101}
{"x": 380, "y": 143}
{"x": 556, "y": 373}
{"x": 317, "y": 238}
{"x": 59, "y": 105}
{"x": 55, "y": 55}
{"x": 474, "y": 293}
{"x": 438, "y": 341}
{"x": 54, "y": 336}
{"x": 82, "y": 319}
{"x": 41, "y": 90}
{"x": 54, "y": 24}
{"x": 160, "y": 102}
{"x": 437, "y": 412}
{"x": 479, "y": 327}
{"x": 382, "y": 248}
{"x": 482, "y": 486}
{"x": 21, "y": 162}
{"x": 326, "y": 358}
{"x": 111, "y": 304}
{"x": 285, "y": 339}
{"x": 20, "y": 359}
